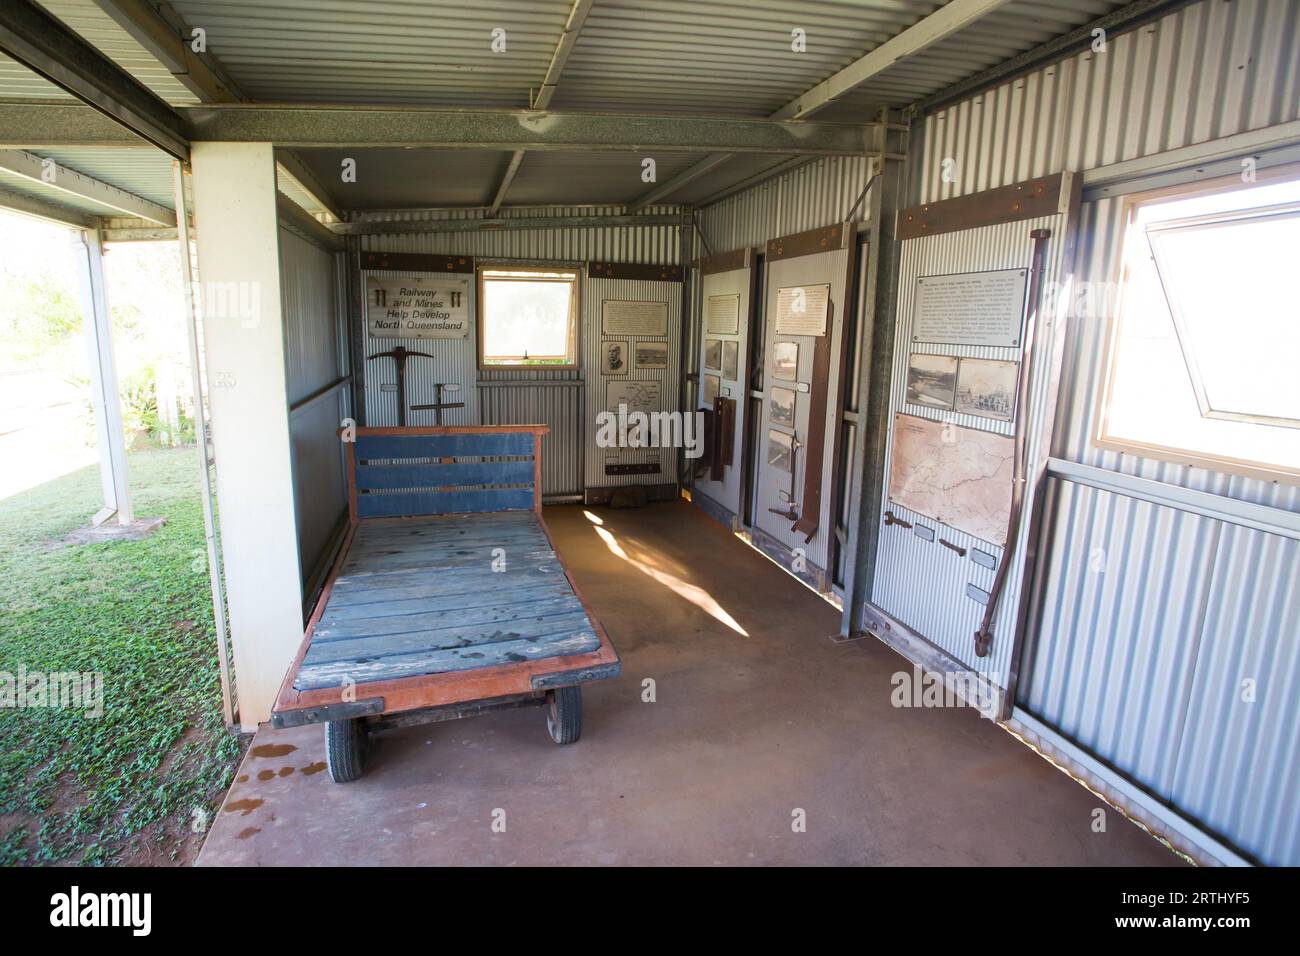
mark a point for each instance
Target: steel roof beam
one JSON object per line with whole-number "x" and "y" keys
{"x": 381, "y": 227}
{"x": 38, "y": 208}
{"x": 688, "y": 175}
{"x": 568, "y": 39}
{"x": 951, "y": 18}
{"x": 303, "y": 126}
{"x": 53, "y": 176}
{"x": 44, "y": 45}
{"x": 161, "y": 31}
{"x": 944, "y": 22}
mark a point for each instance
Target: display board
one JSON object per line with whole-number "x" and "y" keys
{"x": 420, "y": 303}
{"x": 726, "y": 304}
{"x": 630, "y": 346}
{"x": 807, "y": 280}
{"x": 966, "y": 312}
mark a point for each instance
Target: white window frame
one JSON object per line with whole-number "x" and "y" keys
{"x": 532, "y": 273}
{"x": 1226, "y": 464}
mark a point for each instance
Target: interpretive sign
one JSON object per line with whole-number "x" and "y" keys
{"x": 970, "y": 308}
{"x": 422, "y": 307}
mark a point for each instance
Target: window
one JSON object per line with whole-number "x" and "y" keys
{"x": 528, "y": 317}
{"x": 1204, "y": 349}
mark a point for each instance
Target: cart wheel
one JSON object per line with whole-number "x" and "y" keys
{"x": 345, "y": 747}
{"x": 564, "y": 714}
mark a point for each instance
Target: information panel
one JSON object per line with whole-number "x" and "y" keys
{"x": 970, "y": 308}
{"x": 628, "y": 317}
{"x": 422, "y": 307}
{"x": 802, "y": 309}
{"x": 722, "y": 314}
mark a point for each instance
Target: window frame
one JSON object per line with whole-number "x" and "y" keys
{"x": 1224, "y": 464}
{"x": 536, "y": 268}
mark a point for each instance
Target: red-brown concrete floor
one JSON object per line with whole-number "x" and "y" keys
{"x": 745, "y": 729}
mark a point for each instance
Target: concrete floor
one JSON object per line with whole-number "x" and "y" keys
{"x": 746, "y": 728}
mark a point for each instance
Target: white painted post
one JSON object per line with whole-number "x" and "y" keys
{"x": 237, "y": 234}
{"x": 109, "y": 433}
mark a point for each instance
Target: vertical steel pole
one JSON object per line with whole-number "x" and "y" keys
{"x": 111, "y": 437}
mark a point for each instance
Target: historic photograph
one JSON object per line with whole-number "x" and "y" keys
{"x": 614, "y": 357}
{"x": 731, "y": 361}
{"x": 713, "y": 354}
{"x": 785, "y": 360}
{"x": 931, "y": 379}
{"x": 710, "y": 385}
{"x": 782, "y": 407}
{"x": 780, "y": 450}
{"x": 652, "y": 355}
{"x": 987, "y": 387}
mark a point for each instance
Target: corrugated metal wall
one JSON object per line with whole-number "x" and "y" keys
{"x": 553, "y": 397}
{"x": 818, "y": 194}
{"x": 1149, "y": 617}
{"x": 316, "y": 358}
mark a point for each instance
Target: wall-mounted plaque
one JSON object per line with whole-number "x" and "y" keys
{"x": 638, "y": 396}
{"x": 614, "y": 357}
{"x": 713, "y": 354}
{"x": 731, "y": 360}
{"x": 722, "y": 314}
{"x": 420, "y": 307}
{"x": 785, "y": 360}
{"x": 987, "y": 388}
{"x": 783, "y": 406}
{"x": 802, "y": 309}
{"x": 931, "y": 380}
{"x": 626, "y": 317}
{"x": 970, "y": 308}
{"x": 709, "y": 386}
{"x": 652, "y": 355}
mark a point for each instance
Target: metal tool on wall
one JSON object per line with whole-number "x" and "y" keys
{"x": 789, "y": 513}
{"x": 438, "y": 404}
{"x": 399, "y": 355}
{"x": 984, "y": 634}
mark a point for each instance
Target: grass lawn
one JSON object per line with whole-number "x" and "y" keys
{"x": 139, "y": 783}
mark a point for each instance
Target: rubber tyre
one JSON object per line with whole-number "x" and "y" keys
{"x": 345, "y": 750}
{"x": 564, "y": 714}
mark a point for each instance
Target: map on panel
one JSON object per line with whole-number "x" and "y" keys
{"x": 959, "y": 476}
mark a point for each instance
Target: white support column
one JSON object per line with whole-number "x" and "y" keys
{"x": 237, "y": 234}
{"x": 109, "y": 434}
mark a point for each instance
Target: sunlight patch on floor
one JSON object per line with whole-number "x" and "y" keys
{"x": 690, "y": 592}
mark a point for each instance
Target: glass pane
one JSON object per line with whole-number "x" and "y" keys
{"x": 1227, "y": 284}
{"x": 527, "y": 320}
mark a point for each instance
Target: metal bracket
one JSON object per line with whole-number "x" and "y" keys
{"x": 582, "y": 676}
{"x": 345, "y": 710}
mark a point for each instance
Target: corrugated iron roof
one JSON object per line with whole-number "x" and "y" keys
{"x": 732, "y": 57}
{"x": 92, "y": 24}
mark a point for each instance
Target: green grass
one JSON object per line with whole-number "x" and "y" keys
{"x": 127, "y": 786}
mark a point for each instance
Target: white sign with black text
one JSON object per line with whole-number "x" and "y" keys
{"x": 423, "y": 307}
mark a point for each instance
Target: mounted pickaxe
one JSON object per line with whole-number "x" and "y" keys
{"x": 399, "y": 355}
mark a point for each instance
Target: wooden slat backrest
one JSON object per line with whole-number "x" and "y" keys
{"x": 451, "y": 469}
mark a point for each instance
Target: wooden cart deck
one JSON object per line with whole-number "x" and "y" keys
{"x": 447, "y": 588}
{"x": 421, "y": 596}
